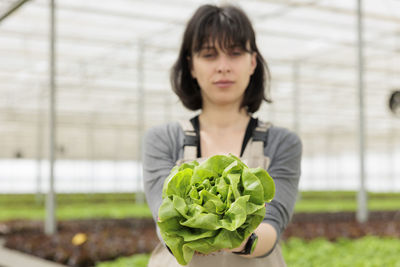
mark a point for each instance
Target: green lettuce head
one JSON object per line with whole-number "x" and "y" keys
{"x": 213, "y": 205}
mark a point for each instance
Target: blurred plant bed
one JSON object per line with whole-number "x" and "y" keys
{"x": 365, "y": 251}
{"x": 137, "y": 260}
{"x": 349, "y": 195}
{"x": 337, "y": 201}
{"x": 107, "y": 239}
{"x": 82, "y": 242}
{"x": 123, "y": 205}
{"x": 336, "y": 225}
{"x": 73, "y": 206}
{"x": 368, "y": 251}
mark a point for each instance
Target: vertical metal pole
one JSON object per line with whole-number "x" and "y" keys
{"x": 39, "y": 154}
{"x": 296, "y": 97}
{"x": 50, "y": 224}
{"x": 328, "y": 152}
{"x": 116, "y": 157}
{"x": 296, "y": 103}
{"x": 140, "y": 117}
{"x": 391, "y": 146}
{"x": 362, "y": 210}
{"x": 90, "y": 140}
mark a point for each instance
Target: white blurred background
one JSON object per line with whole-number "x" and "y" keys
{"x": 113, "y": 61}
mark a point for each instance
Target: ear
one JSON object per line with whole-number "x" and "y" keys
{"x": 253, "y": 62}
{"x": 190, "y": 63}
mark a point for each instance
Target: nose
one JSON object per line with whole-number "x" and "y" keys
{"x": 223, "y": 64}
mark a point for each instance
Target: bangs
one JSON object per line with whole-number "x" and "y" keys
{"x": 224, "y": 28}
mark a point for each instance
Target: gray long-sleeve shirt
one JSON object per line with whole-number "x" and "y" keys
{"x": 163, "y": 146}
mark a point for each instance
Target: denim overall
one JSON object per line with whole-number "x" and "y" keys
{"x": 253, "y": 156}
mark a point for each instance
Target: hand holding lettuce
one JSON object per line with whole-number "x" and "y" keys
{"x": 211, "y": 206}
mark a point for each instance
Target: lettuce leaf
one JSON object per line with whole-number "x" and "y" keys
{"x": 213, "y": 205}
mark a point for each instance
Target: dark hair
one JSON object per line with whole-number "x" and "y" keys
{"x": 226, "y": 25}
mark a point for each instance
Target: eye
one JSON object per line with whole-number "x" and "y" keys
{"x": 236, "y": 52}
{"x": 208, "y": 54}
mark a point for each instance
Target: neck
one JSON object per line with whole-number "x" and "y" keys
{"x": 223, "y": 118}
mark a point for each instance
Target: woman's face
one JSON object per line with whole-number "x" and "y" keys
{"x": 223, "y": 74}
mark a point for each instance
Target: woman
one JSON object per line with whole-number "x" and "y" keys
{"x": 221, "y": 72}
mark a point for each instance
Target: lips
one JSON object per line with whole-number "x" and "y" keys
{"x": 223, "y": 83}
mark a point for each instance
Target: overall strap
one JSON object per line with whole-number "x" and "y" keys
{"x": 190, "y": 141}
{"x": 256, "y": 144}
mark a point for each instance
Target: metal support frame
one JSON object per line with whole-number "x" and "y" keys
{"x": 140, "y": 116}
{"x": 296, "y": 97}
{"x": 14, "y": 8}
{"x": 296, "y": 102}
{"x": 50, "y": 223}
{"x": 362, "y": 207}
{"x": 39, "y": 150}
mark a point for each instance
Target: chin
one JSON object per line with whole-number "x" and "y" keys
{"x": 225, "y": 98}
{"x": 225, "y": 102}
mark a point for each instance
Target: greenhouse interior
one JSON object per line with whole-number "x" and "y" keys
{"x": 82, "y": 82}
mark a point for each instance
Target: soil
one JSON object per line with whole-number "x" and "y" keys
{"x": 107, "y": 239}
{"x": 343, "y": 225}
